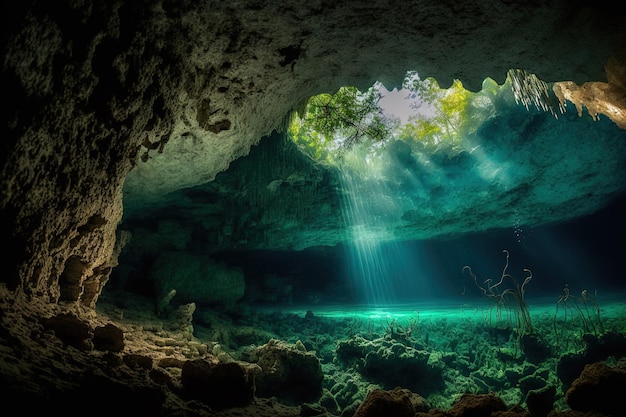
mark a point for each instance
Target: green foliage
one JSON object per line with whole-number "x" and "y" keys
{"x": 335, "y": 123}
{"x": 450, "y": 121}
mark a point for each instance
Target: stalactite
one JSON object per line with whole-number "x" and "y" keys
{"x": 527, "y": 89}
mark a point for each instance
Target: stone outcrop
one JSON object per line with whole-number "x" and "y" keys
{"x": 608, "y": 99}
{"x": 108, "y": 337}
{"x": 477, "y": 405}
{"x": 71, "y": 330}
{"x": 288, "y": 372}
{"x": 379, "y": 402}
{"x": 220, "y": 385}
{"x": 595, "y": 389}
{"x": 541, "y": 401}
{"x": 392, "y": 363}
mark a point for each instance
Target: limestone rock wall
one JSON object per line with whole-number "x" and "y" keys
{"x": 85, "y": 93}
{"x": 173, "y": 91}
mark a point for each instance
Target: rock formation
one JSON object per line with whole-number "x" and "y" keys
{"x": 157, "y": 96}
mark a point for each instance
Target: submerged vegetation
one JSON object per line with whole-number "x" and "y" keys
{"x": 575, "y": 317}
{"x": 508, "y": 298}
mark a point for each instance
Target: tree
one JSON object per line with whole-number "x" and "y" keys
{"x": 340, "y": 121}
{"x": 448, "y": 119}
{"x": 332, "y": 124}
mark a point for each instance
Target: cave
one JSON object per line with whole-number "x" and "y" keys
{"x": 170, "y": 251}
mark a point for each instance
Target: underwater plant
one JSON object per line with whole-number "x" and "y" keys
{"x": 393, "y": 329}
{"x": 580, "y": 315}
{"x": 507, "y": 295}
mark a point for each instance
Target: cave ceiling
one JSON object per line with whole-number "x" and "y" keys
{"x": 246, "y": 67}
{"x": 198, "y": 181}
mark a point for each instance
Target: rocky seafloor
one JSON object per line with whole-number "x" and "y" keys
{"x": 251, "y": 361}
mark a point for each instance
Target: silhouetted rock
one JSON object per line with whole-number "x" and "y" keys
{"x": 219, "y": 385}
{"x": 477, "y": 405}
{"x": 71, "y": 330}
{"x": 379, "y": 403}
{"x": 597, "y": 389}
{"x": 540, "y": 401}
{"x": 597, "y": 348}
{"x": 534, "y": 347}
{"x": 108, "y": 337}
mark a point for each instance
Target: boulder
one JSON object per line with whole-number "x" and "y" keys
{"x": 108, "y": 338}
{"x": 477, "y": 405}
{"x": 71, "y": 330}
{"x": 219, "y": 385}
{"x": 596, "y": 389}
{"x": 541, "y": 401}
{"x": 378, "y": 403}
{"x": 288, "y": 372}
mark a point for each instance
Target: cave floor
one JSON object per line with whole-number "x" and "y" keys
{"x": 472, "y": 333}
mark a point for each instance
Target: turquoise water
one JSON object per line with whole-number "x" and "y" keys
{"x": 611, "y": 305}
